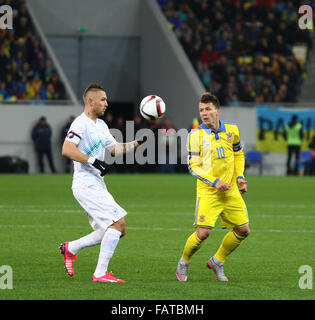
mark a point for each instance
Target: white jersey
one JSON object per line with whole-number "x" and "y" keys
{"x": 91, "y": 139}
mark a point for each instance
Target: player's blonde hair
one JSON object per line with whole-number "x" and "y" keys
{"x": 208, "y": 97}
{"x": 93, "y": 87}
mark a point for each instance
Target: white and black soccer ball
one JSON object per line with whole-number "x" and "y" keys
{"x": 152, "y": 107}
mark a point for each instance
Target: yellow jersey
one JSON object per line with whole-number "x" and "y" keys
{"x": 215, "y": 155}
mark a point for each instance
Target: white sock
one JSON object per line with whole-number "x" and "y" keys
{"x": 108, "y": 246}
{"x": 218, "y": 262}
{"x": 182, "y": 261}
{"x": 91, "y": 239}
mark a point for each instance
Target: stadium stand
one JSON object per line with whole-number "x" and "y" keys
{"x": 249, "y": 51}
{"x": 26, "y": 71}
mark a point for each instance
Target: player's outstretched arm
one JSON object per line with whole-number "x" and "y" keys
{"x": 122, "y": 148}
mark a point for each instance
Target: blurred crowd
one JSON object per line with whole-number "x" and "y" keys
{"x": 242, "y": 50}
{"x": 26, "y": 72}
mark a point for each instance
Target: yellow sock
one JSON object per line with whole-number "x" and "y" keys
{"x": 193, "y": 243}
{"x": 230, "y": 242}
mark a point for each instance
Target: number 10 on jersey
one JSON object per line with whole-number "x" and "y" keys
{"x": 220, "y": 152}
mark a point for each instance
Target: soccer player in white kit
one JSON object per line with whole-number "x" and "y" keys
{"x": 85, "y": 144}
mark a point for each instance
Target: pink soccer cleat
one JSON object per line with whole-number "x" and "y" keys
{"x": 68, "y": 258}
{"x": 217, "y": 268}
{"x": 108, "y": 277}
{"x": 182, "y": 270}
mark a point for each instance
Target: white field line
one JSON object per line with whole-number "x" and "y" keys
{"x": 82, "y": 211}
{"x": 37, "y": 209}
{"x": 175, "y": 205}
{"x": 282, "y": 206}
{"x": 281, "y": 216}
{"x": 190, "y": 213}
{"x": 47, "y": 226}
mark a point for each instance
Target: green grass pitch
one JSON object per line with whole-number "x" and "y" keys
{"x": 38, "y": 212}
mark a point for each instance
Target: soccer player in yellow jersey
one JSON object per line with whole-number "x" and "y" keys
{"x": 216, "y": 159}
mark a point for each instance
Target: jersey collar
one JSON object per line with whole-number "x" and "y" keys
{"x": 94, "y": 123}
{"x": 221, "y": 128}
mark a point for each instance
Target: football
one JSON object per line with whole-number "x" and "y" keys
{"x": 152, "y": 107}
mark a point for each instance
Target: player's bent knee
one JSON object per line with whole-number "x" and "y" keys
{"x": 243, "y": 232}
{"x": 203, "y": 233}
{"x": 120, "y": 225}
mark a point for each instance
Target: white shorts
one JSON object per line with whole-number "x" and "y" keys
{"x": 99, "y": 205}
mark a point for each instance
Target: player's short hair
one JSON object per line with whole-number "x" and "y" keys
{"x": 208, "y": 97}
{"x": 92, "y": 87}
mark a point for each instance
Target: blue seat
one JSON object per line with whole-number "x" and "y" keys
{"x": 305, "y": 156}
{"x": 305, "y": 162}
{"x": 255, "y": 157}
